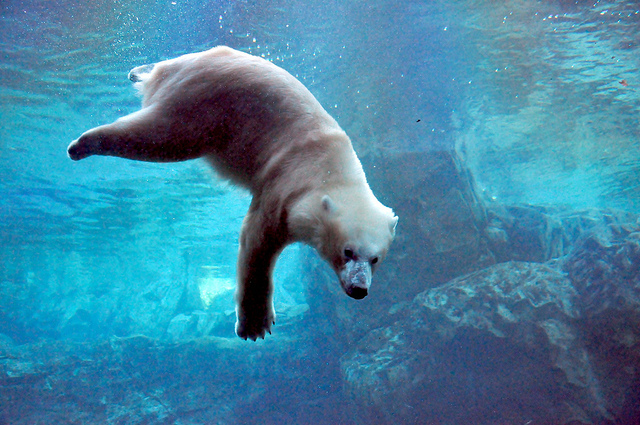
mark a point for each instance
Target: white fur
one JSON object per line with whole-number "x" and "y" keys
{"x": 261, "y": 128}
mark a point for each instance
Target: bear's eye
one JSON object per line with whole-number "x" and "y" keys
{"x": 349, "y": 253}
{"x": 374, "y": 260}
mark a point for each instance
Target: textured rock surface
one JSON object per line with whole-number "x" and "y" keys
{"x": 605, "y": 270}
{"x": 539, "y": 234}
{"x": 440, "y": 233}
{"x": 64, "y": 295}
{"x": 139, "y": 380}
{"x": 554, "y": 343}
{"x": 495, "y": 346}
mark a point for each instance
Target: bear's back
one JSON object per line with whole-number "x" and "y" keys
{"x": 250, "y": 113}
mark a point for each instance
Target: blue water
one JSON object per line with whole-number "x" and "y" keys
{"x": 541, "y": 100}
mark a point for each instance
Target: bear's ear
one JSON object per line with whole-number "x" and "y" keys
{"x": 392, "y": 225}
{"x": 328, "y": 206}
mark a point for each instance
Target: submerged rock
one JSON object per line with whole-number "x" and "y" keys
{"x": 525, "y": 233}
{"x": 605, "y": 270}
{"x": 440, "y": 232}
{"x": 141, "y": 380}
{"x": 502, "y": 345}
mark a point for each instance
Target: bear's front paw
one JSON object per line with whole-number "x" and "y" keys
{"x": 83, "y": 147}
{"x": 254, "y": 324}
{"x": 76, "y": 150}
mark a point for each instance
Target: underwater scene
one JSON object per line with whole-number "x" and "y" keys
{"x": 505, "y": 135}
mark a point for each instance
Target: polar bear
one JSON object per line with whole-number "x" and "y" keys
{"x": 261, "y": 128}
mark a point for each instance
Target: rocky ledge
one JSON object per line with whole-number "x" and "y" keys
{"x": 518, "y": 342}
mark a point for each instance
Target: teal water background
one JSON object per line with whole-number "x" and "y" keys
{"x": 541, "y": 100}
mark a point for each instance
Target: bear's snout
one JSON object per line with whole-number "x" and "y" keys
{"x": 355, "y": 278}
{"x": 357, "y": 292}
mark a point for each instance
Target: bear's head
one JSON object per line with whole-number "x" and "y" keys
{"x": 355, "y": 236}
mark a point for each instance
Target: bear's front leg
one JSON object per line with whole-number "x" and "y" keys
{"x": 144, "y": 135}
{"x": 260, "y": 245}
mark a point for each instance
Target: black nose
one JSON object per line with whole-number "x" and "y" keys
{"x": 357, "y": 292}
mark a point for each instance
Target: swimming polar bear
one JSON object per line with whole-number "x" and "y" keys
{"x": 261, "y": 128}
